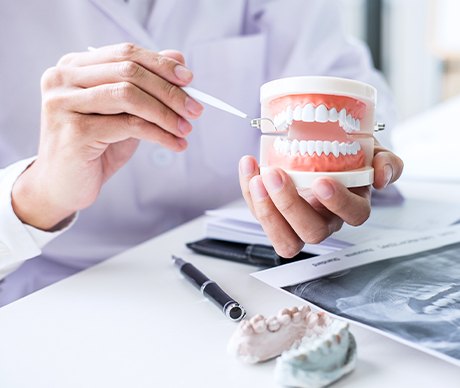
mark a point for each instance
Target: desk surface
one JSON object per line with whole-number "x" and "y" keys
{"x": 132, "y": 321}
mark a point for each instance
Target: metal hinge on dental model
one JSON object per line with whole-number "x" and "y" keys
{"x": 256, "y": 123}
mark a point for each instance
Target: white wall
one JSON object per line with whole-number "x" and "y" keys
{"x": 410, "y": 67}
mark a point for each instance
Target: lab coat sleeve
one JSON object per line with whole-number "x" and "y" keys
{"x": 307, "y": 37}
{"x": 18, "y": 241}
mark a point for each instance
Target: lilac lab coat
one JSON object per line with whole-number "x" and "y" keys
{"x": 231, "y": 46}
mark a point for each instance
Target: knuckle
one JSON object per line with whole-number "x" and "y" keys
{"x": 53, "y": 102}
{"x": 52, "y": 77}
{"x": 360, "y": 218}
{"x": 123, "y": 91}
{"x": 67, "y": 59}
{"x": 286, "y": 205}
{"x": 287, "y": 250}
{"x": 126, "y": 50}
{"x": 317, "y": 234}
{"x": 171, "y": 91}
{"x": 130, "y": 70}
{"x": 134, "y": 121}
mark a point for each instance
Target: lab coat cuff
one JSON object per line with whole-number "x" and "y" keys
{"x": 18, "y": 241}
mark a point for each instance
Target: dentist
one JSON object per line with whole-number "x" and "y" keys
{"x": 117, "y": 159}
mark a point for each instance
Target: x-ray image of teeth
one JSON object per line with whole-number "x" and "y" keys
{"x": 416, "y": 297}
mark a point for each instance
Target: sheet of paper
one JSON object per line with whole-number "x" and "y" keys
{"x": 406, "y": 288}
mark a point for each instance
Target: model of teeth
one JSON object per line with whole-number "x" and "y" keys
{"x": 320, "y": 361}
{"x": 323, "y": 127}
{"x": 315, "y": 349}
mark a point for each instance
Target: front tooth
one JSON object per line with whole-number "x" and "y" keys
{"x": 277, "y": 143}
{"x": 311, "y": 147}
{"x": 303, "y": 147}
{"x": 297, "y": 115}
{"x": 429, "y": 309}
{"x": 358, "y": 125}
{"x": 294, "y": 147}
{"x": 333, "y": 115}
{"x": 335, "y": 148}
{"x": 319, "y": 147}
{"x": 342, "y": 117}
{"x": 343, "y": 148}
{"x": 308, "y": 113}
{"x": 358, "y": 146}
{"x": 289, "y": 115}
{"x": 327, "y": 147}
{"x": 350, "y": 121}
{"x": 321, "y": 114}
{"x": 286, "y": 147}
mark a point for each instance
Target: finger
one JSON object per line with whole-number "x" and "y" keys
{"x": 285, "y": 241}
{"x": 164, "y": 66}
{"x": 169, "y": 94}
{"x": 351, "y": 206}
{"x": 387, "y": 167}
{"x": 308, "y": 224}
{"x": 173, "y": 54}
{"x": 248, "y": 168}
{"x": 106, "y": 130}
{"x": 124, "y": 97}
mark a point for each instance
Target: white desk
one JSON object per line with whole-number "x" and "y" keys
{"x": 134, "y": 322}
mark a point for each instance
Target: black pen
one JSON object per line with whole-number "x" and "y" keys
{"x": 209, "y": 288}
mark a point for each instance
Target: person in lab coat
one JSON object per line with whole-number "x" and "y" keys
{"x": 96, "y": 187}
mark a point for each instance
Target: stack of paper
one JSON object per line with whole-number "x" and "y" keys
{"x": 237, "y": 224}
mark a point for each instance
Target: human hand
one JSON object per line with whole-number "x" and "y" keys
{"x": 96, "y": 107}
{"x": 292, "y": 217}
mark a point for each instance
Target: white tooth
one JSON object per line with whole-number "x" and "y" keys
{"x": 349, "y": 149}
{"x": 318, "y": 147}
{"x": 333, "y": 115}
{"x": 303, "y": 147}
{"x": 335, "y": 148}
{"x": 342, "y": 117}
{"x": 311, "y": 147}
{"x": 278, "y": 143}
{"x": 308, "y": 113}
{"x": 442, "y": 302}
{"x": 289, "y": 114}
{"x": 294, "y": 147}
{"x": 273, "y": 324}
{"x": 358, "y": 146}
{"x": 358, "y": 125}
{"x": 343, "y": 148}
{"x": 278, "y": 120}
{"x": 429, "y": 309}
{"x": 286, "y": 147}
{"x": 350, "y": 122}
{"x": 327, "y": 147}
{"x": 321, "y": 115}
{"x": 297, "y": 115}
{"x": 354, "y": 148}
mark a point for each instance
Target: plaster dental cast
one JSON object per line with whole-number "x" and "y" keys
{"x": 101, "y": 150}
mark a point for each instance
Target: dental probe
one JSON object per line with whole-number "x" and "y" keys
{"x": 209, "y": 288}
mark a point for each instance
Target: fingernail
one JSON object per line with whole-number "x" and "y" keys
{"x": 247, "y": 166}
{"x": 273, "y": 181}
{"x": 183, "y": 73}
{"x": 388, "y": 174}
{"x": 193, "y": 107}
{"x": 257, "y": 189}
{"x": 184, "y": 126}
{"x": 182, "y": 142}
{"x": 324, "y": 190}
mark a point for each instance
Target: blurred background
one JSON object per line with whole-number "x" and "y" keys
{"x": 416, "y": 45}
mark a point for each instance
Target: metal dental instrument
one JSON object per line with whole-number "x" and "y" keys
{"x": 219, "y": 104}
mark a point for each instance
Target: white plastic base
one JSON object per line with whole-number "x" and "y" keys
{"x": 354, "y": 178}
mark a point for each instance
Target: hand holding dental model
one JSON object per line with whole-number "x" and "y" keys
{"x": 318, "y": 160}
{"x": 97, "y": 106}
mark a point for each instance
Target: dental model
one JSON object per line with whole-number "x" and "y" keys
{"x": 315, "y": 349}
{"x": 318, "y": 126}
{"x": 320, "y": 361}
